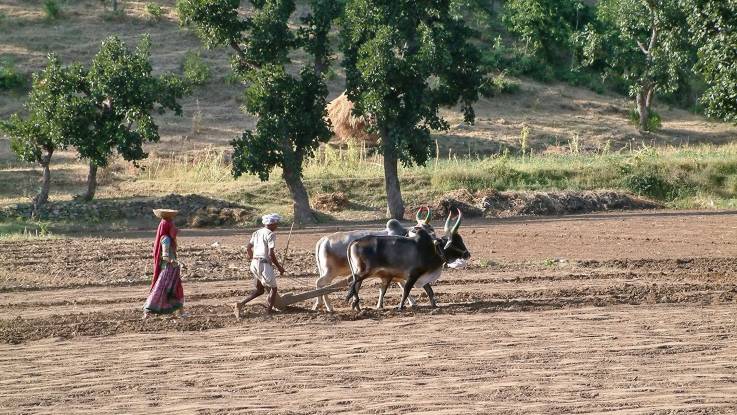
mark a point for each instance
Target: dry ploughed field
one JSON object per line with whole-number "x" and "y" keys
{"x": 633, "y": 313}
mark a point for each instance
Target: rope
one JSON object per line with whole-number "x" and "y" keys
{"x": 301, "y": 282}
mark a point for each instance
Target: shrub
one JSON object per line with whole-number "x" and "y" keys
{"x": 499, "y": 84}
{"x": 154, "y": 11}
{"x": 654, "y": 122}
{"x": 10, "y": 78}
{"x": 196, "y": 71}
{"x": 52, "y": 9}
{"x": 116, "y": 12}
{"x": 232, "y": 79}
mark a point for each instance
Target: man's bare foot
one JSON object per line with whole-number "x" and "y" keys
{"x": 146, "y": 315}
{"x": 237, "y": 311}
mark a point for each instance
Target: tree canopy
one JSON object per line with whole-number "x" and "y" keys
{"x": 404, "y": 60}
{"x": 97, "y": 111}
{"x": 124, "y": 95}
{"x": 288, "y": 98}
{"x": 644, "y": 42}
{"x": 713, "y": 26}
{"x": 55, "y": 112}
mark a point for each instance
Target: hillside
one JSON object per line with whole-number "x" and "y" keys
{"x": 560, "y": 118}
{"x": 555, "y": 113}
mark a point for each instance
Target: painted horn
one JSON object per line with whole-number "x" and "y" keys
{"x": 417, "y": 215}
{"x": 458, "y": 222}
{"x": 446, "y": 227}
{"x": 419, "y": 211}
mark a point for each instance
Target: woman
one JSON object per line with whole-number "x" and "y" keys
{"x": 166, "y": 294}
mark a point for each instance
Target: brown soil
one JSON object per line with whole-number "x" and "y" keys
{"x": 628, "y": 312}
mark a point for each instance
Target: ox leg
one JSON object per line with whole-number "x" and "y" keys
{"x": 407, "y": 287}
{"x": 323, "y": 299}
{"x": 430, "y": 295}
{"x": 356, "y": 304}
{"x": 352, "y": 296}
{"x": 382, "y": 291}
{"x": 411, "y": 299}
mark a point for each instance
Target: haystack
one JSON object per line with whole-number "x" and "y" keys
{"x": 347, "y": 126}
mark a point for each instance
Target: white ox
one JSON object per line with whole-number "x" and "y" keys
{"x": 331, "y": 255}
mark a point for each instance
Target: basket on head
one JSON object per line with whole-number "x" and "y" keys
{"x": 167, "y": 214}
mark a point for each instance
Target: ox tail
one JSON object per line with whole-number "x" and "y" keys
{"x": 319, "y": 247}
{"x": 352, "y": 292}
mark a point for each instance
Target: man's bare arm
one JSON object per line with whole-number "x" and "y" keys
{"x": 249, "y": 251}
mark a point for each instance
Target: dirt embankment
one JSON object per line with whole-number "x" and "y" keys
{"x": 490, "y": 203}
{"x": 194, "y": 210}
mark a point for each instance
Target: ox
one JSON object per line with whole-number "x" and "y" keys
{"x": 331, "y": 253}
{"x": 416, "y": 260}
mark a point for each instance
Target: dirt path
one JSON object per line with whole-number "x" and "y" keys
{"x": 634, "y": 313}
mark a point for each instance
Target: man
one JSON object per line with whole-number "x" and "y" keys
{"x": 262, "y": 254}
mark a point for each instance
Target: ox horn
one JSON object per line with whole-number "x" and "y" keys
{"x": 458, "y": 222}
{"x": 427, "y": 215}
{"x": 454, "y": 229}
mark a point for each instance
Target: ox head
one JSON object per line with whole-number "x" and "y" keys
{"x": 422, "y": 222}
{"x": 393, "y": 227}
{"x": 454, "y": 249}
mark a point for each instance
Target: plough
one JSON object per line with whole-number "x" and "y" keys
{"x": 283, "y": 301}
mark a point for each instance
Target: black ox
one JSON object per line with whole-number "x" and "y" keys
{"x": 418, "y": 260}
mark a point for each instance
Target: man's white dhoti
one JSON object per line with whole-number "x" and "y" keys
{"x": 263, "y": 271}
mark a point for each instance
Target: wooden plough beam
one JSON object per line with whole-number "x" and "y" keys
{"x": 288, "y": 299}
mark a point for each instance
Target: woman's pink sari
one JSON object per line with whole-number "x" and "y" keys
{"x": 166, "y": 294}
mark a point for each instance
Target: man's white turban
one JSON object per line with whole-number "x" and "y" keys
{"x": 270, "y": 219}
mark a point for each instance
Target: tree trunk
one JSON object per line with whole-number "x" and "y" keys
{"x": 303, "y": 213}
{"x": 395, "y": 205}
{"x": 644, "y": 100}
{"x": 43, "y": 196}
{"x": 91, "y": 183}
{"x": 643, "y": 108}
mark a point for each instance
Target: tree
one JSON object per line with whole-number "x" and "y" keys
{"x": 713, "y": 26}
{"x": 287, "y": 97}
{"x": 644, "y": 42}
{"x": 124, "y": 96}
{"x": 55, "y": 111}
{"x": 545, "y": 26}
{"x": 98, "y": 111}
{"x": 404, "y": 60}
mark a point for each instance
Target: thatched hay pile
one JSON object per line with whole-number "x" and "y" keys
{"x": 346, "y": 126}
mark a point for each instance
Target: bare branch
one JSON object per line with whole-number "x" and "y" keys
{"x": 653, "y": 37}
{"x": 642, "y": 48}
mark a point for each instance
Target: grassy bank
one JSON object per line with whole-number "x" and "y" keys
{"x": 702, "y": 176}
{"x": 685, "y": 177}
